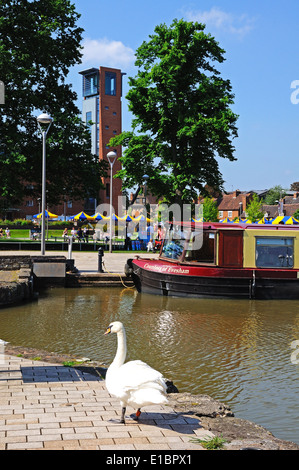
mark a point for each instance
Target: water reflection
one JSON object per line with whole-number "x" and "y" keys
{"x": 237, "y": 351}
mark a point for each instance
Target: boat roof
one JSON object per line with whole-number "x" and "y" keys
{"x": 235, "y": 226}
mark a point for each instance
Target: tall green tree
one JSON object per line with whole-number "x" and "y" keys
{"x": 39, "y": 42}
{"x": 182, "y": 118}
{"x": 253, "y": 209}
{"x": 210, "y": 210}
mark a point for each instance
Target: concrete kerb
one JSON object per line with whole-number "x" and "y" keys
{"x": 87, "y": 262}
{"x": 49, "y": 406}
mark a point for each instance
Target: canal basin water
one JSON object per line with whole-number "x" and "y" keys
{"x": 237, "y": 351}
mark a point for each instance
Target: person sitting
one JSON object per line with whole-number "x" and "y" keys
{"x": 74, "y": 233}
{"x": 150, "y": 245}
{"x": 85, "y": 234}
{"x": 80, "y": 235}
{"x": 64, "y": 234}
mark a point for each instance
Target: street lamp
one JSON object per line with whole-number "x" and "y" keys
{"x": 111, "y": 156}
{"x": 44, "y": 122}
{"x": 145, "y": 178}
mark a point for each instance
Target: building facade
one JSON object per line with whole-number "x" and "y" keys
{"x": 102, "y": 112}
{"x": 234, "y": 204}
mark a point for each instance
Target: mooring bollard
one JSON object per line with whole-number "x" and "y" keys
{"x": 100, "y": 259}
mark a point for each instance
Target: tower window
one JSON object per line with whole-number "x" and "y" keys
{"x": 88, "y": 119}
{"x": 110, "y": 83}
{"x": 91, "y": 84}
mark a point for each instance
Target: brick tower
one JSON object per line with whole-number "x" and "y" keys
{"x": 102, "y": 93}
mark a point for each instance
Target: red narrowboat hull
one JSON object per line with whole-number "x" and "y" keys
{"x": 157, "y": 276}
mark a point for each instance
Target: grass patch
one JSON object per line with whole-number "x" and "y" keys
{"x": 212, "y": 443}
{"x": 71, "y": 363}
{"x": 24, "y": 234}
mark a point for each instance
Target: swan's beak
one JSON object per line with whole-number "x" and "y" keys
{"x": 108, "y": 330}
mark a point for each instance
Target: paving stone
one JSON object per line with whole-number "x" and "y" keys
{"x": 45, "y": 406}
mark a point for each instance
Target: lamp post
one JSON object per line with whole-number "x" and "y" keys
{"x": 145, "y": 177}
{"x": 44, "y": 122}
{"x": 111, "y": 156}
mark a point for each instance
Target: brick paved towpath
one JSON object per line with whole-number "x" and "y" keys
{"x": 49, "y": 406}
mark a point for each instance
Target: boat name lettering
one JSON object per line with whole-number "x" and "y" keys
{"x": 165, "y": 269}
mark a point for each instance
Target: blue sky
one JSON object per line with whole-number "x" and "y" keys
{"x": 261, "y": 40}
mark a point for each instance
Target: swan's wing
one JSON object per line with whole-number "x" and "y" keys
{"x": 138, "y": 374}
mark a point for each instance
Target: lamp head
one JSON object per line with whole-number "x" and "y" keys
{"x": 44, "y": 118}
{"x": 111, "y": 157}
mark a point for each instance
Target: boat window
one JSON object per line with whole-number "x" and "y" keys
{"x": 275, "y": 252}
{"x": 173, "y": 248}
{"x": 201, "y": 248}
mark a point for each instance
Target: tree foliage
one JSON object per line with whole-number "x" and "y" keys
{"x": 39, "y": 42}
{"x": 210, "y": 210}
{"x": 253, "y": 209}
{"x": 295, "y": 186}
{"x": 274, "y": 195}
{"x": 182, "y": 117}
{"x": 296, "y": 214}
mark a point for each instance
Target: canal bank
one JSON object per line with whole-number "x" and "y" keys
{"x": 45, "y": 405}
{"x": 23, "y": 273}
{"x": 164, "y": 311}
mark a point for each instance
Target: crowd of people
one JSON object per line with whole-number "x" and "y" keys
{"x": 6, "y": 233}
{"x": 151, "y": 240}
{"x": 77, "y": 234}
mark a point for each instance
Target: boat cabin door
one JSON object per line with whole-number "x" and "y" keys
{"x": 230, "y": 248}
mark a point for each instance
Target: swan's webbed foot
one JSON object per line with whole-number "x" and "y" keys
{"x": 136, "y": 417}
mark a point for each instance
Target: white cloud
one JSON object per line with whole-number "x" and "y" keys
{"x": 107, "y": 53}
{"x": 221, "y": 20}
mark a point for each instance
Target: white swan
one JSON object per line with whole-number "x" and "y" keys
{"x": 134, "y": 383}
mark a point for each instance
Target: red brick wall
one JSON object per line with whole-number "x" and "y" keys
{"x": 110, "y": 126}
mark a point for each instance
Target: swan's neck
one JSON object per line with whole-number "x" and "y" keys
{"x": 121, "y": 349}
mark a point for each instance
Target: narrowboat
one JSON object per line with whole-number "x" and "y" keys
{"x": 222, "y": 260}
